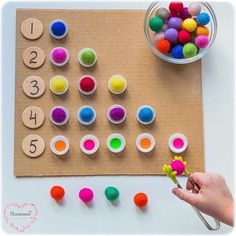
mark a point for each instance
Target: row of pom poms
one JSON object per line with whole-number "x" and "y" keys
{"x": 86, "y": 195}
{"x": 180, "y": 32}
{"x": 89, "y": 144}
{"x": 116, "y": 114}
{"x": 87, "y": 84}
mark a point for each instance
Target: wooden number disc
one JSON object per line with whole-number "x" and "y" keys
{"x": 33, "y": 117}
{"x": 32, "y": 28}
{"x": 33, "y": 57}
{"x": 33, "y": 145}
{"x": 34, "y": 86}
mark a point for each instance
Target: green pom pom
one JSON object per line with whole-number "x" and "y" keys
{"x": 189, "y": 50}
{"x": 156, "y": 24}
{"x": 88, "y": 57}
{"x": 111, "y": 193}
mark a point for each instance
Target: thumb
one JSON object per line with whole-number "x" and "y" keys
{"x": 186, "y": 196}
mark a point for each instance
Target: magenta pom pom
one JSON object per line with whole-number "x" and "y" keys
{"x": 201, "y": 41}
{"x": 178, "y": 166}
{"x": 86, "y": 195}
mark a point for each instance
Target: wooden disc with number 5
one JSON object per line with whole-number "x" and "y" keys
{"x": 33, "y": 57}
{"x": 33, "y": 117}
{"x": 33, "y": 145}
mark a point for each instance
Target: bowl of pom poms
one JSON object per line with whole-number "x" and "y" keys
{"x": 180, "y": 32}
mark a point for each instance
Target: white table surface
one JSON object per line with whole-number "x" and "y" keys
{"x": 165, "y": 213}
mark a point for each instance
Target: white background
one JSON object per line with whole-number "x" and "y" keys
{"x": 165, "y": 213}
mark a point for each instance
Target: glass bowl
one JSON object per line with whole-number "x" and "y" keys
{"x": 149, "y": 34}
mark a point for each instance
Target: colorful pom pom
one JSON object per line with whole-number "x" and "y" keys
{"x": 86, "y": 195}
{"x": 163, "y": 46}
{"x": 140, "y": 199}
{"x": 57, "y": 192}
{"x": 177, "y": 52}
{"x": 203, "y": 18}
{"x": 176, "y": 7}
{"x": 178, "y": 166}
{"x": 189, "y": 50}
{"x": 189, "y": 24}
{"x": 156, "y": 24}
{"x": 201, "y": 41}
{"x": 184, "y": 37}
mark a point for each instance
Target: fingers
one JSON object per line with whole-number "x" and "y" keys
{"x": 186, "y": 196}
{"x": 198, "y": 178}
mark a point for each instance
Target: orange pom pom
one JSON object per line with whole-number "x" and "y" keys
{"x": 140, "y": 199}
{"x": 202, "y": 30}
{"x": 163, "y": 46}
{"x": 57, "y": 192}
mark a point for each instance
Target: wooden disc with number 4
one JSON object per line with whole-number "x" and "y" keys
{"x": 33, "y": 117}
{"x": 33, "y": 145}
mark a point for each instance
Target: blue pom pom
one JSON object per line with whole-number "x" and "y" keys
{"x": 58, "y": 29}
{"x": 146, "y": 114}
{"x": 177, "y": 52}
{"x": 86, "y": 115}
{"x": 203, "y": 19}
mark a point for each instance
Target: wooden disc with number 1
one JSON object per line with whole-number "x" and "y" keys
{"x": 33, "y": 145}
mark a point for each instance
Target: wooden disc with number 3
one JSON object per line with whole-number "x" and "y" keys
{"x": 33, "y": 145}
{"x": 33, "y": 117}
{"x": 34, "y": 86}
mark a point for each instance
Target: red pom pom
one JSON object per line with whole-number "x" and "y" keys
{"x": 184, "y": 36}
{"x": 87, "y": 84}
{"x": 163, "y": 46}
{"x": 140, "y": 199}
{"x": 176, "y": 8}
{"x": 57, "y": 193}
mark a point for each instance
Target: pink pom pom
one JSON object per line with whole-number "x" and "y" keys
{"x": 178, "y": 166}
{"x": 86, "y": 195}
{"x": 201, "y": 41}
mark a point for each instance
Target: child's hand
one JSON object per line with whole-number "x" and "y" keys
{"x": 213, "y": 199}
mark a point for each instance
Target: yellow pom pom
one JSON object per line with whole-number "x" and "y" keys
{"x": 202, "y": 30}
{"x": 59, "y": 84}
{"x": 117, "y": 84}
{"x": 189, "y": 24}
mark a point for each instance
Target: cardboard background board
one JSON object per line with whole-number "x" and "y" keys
{"x": 174, "y": 91}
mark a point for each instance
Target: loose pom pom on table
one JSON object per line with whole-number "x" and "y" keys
{"x": 189, "y": 50}
{"x": 57, "y": 193}
{"x": 171, "y": 35}
{"x": 163, "y": 46}
{"x": 156, "y": 24}
{"x": 194, "y": 8}
{"x": 201, "y": 41}
{"x": 177, "y": 52}
{"x": 178, "y": 166}
{"x": 184, "y": 37}
{"x": 163, "y": 13}
{"x": 176, "y": 7}
{"x": 111, "y": 193}
{"x": 140, "y": 199}
{"x": 203, "y": 18}
{"x": 189, "y": 24}
{"x": 86, "y": 195}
